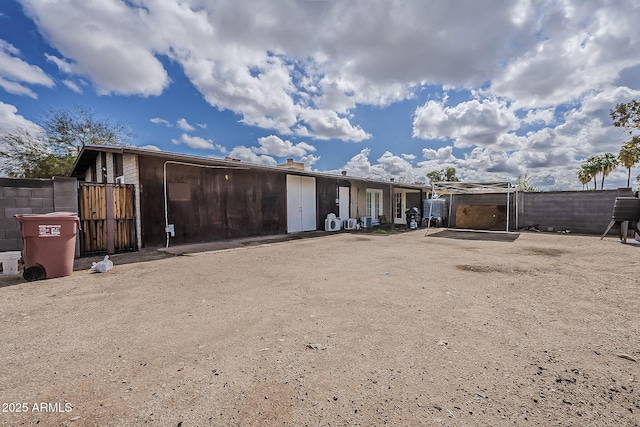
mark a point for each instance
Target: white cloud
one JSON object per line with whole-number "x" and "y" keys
{"x": 396, "y": 167}
{"x": 150, "y": 147}
{"x": 441, "y": 154}
{"x": 184, "y": 125}
{"x": 530, "y": 83}
{"x": 159, "y": 121}
{"x": 540, "y": 116}
{"x": 195, "y": 142}
{"x": 328, "y": 125}
{"x": 111, "y": 44}
{"x": 62, "y": 64}
{"x": 247, "y": 155}
{"x": 72, "y": 85}
{"x": 309, "y": 161}
{"x": 408, "y": 156}
{"x": 16, "y": 74}
{"x": 471, "y": 123}
{"x": 479, "y": 165}
{"x": 359, "y": 164}
{"x": 581, "y": 47}
{"x": 287, "y": 74}
{"x": 275, "y": 146}
{"x": 11, "y": 121}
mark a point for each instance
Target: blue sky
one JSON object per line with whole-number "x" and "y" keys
{"x": 381, "y": 89}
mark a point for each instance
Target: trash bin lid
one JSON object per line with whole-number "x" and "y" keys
{"x": 37, "y": 224}
{"x": 57, "y": 216}
{"x": 70, "y": 215}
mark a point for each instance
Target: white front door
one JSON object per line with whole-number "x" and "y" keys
{"x": 374, "y": 205}
{"x": 343, "y": 203}
{"x": 301, "y": 203}
{"x": 399, "y": 208}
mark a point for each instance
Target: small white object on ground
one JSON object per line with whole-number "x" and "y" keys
{"x": 103, "y": 266}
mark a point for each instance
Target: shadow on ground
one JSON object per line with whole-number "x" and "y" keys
{"x": 152, "y": 254}
{"x": 477, "y": 235}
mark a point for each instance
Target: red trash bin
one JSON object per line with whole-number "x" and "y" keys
{"x": 49, "y": 244}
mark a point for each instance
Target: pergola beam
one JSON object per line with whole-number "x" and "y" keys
{"x": 451, "y": 188}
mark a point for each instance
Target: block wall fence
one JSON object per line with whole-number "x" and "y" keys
{"x": 32, "y": 196}
{"x": 587, "y": 212}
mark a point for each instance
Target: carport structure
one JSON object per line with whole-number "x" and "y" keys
{"x": 443, "y": 188}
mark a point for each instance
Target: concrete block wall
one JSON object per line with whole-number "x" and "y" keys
{"x": 32, "y": 196}
{"x": 587, "y": 212}
{"x": 579, "y": 211}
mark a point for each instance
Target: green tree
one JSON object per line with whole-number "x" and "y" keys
{"x": 525, "y": 183}
{"x": 584, "y": 175}
{"x": 591, "y": 166}
{"x": 52, "y": 149}
{"x": 607, "y": 162}
{"x": 24, "y": 155}
{"x": 448, "y": 174}
{"x": 435, "y": 176}
{"x": 626, "y": 115}
{"x": 629, "y": 155}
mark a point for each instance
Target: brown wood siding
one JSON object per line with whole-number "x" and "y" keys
{"x": 224, "y": 203}
{"x": 326, "y": 194}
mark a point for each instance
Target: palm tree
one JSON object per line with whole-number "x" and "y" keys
{"x": 608, "y": 162}
{"x": 591, "y": 165}
{"x": 629, "y": 156}
{"x": 584, "y": 176}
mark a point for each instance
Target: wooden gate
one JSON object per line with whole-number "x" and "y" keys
{"x": 107, "y": 216}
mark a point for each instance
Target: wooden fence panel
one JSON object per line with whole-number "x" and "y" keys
{"x": 107, "y": 214}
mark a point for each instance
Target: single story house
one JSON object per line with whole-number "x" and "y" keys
{"x": 166, "y": 198}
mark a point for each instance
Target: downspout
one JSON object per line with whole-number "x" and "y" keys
{"x": 508, "y": 191}
{"x": 392, "y": 219}
{"x": 516, "y": 186}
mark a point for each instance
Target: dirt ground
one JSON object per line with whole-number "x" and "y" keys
{"x": 347, "y": 329}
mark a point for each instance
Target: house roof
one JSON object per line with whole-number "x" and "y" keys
{"x": 89, "y": 153}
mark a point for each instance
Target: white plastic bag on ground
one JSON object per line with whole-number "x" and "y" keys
{"x": 102, "y": 266}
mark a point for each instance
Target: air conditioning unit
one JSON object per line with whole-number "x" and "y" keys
{"x": 119, "y": 179}
{"x": 332, "y": 223}
{"x": 365, "y": 221}
{"x": 350, "y": 224}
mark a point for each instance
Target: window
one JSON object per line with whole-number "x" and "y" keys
{"x": 117, "y": 167}
{"x": 103, "y": 167}
{"x": 397, "y": 206}
{"x": 374, "y": 205}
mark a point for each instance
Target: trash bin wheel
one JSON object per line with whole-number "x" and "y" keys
{"x": 34, "y": 273}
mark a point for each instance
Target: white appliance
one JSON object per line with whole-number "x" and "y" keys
{"x": 365, "y": 221}
{"x": 332, "y": 223}
{"x": 350, "y": 224}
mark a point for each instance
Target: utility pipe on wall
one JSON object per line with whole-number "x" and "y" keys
{"x": 508, "y": 191}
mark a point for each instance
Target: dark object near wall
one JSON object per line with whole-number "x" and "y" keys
{"x": 626, "y": 209}
{"x": 207, "y": 204}
{"x": 481, "y": 217}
